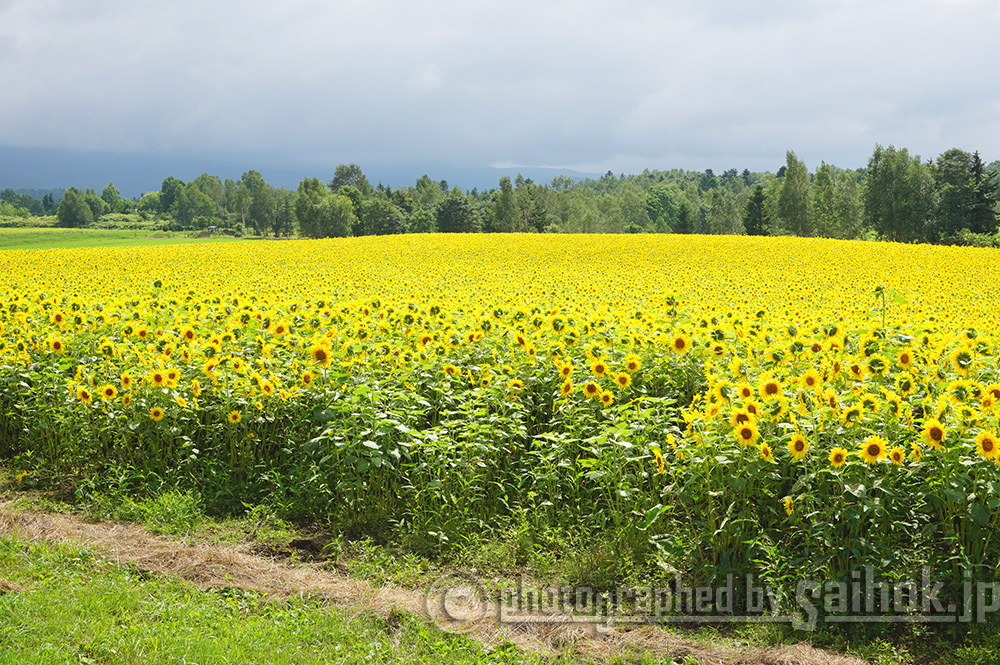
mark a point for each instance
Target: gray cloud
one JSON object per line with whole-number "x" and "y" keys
{"x": 586, "y": 84}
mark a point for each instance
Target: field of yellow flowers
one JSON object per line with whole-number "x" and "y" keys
{"x": 792, "y": 406}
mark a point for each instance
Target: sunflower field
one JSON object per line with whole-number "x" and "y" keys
{"x": 790, "y": 407}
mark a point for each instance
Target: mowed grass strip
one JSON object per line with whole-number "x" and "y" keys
{"x": 57, "y": 238}
{"x": 62, "y": 603}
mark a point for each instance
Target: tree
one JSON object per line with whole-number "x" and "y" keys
{"x": 311, "y": 207}
{"x": 661, "y": 207}
{"x": 952, "y": 177}
{"x": 97, "y": 205}
{"x": 455, "y": 215}
{"x": 723, "y": 212}
{"x": 321, "y": 213}
{"x": 382, "y": 218}
{"x": 823, "y": 202}
{"x": 755, "y": 219}
{"x": 73, "y": 209}
{"x": 899, "y": 197}
{"x": 982, "y": 209}
{"x": 112, "y": 197}
{"x": 49, "y": 204}
{"x": 284, "y": 219}
{"x": 684, "y": 222}
{"x": 190, "y": 204}
{"x": 847, "y": 206}
{"x": 422, "y": 221}
{"x": 500, "y": 215}
{"x": 212, "y": 187}
{"x": 259, "y": 202}
{"x": 168, "y": 192}
{"x": 793, "y": 202}
{"x": 350, "y": 174}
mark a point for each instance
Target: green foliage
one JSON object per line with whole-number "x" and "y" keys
{"x": 74, "y": 212}
{"x": 793, "y": 202}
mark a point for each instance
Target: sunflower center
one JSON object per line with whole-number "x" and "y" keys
{"x": 874, "y": 450}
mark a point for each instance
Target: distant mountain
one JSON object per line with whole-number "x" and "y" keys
{"x": 45, "y": 170}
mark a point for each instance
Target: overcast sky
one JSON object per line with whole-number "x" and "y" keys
{"x": 586, "y": 85}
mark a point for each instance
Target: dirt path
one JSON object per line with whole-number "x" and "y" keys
{"x": 232, "y": 567}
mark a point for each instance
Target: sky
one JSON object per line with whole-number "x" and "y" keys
{"x": 403, "y": 86}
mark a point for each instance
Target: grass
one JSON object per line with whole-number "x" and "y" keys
{"x": 58, "y": 238}
{"x": 69, "y": 605}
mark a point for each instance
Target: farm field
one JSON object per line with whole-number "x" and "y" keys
{"x": 787, "y": 408}
{"x": 63, "y": 238}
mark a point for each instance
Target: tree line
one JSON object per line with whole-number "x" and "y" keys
{"x": 896, "y": 197}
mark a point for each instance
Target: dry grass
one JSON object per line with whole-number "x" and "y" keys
{"x": 233, "y": 567}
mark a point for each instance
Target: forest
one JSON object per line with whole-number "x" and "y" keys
{"x": 895, "y": 197}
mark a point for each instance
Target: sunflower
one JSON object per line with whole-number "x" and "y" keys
{"x": 962, "y": 361}
{"x": 798, "y": 446}
{"x": 658, "y": 456}
{"x": 156, "y": 414}
{"x": 267, "y": 387}
{"x": 915, "y": 452}
{"x": 196, "y": 388}
{"x": 851, "y": 415}
{"x": 987, "y": 445}
{"x": 84, "y": 395}
{"x": 320, "y": 355}
{"x": 788, "y": 504}
{"x": 126, "y": 399}
{"x": 449, "y": 370}
{"x": 770, "y": 387}
{"x": 869, "y": 403}
{"x": 838, "y": 457}
{"x": 905, "y": 358}
{"x": 741, "y": 417}
{"x": 623, "y": 379}
{"x": 591, "y": 389}
{"x": 877, "y": 365}
{"x": 234, "y": 417}
{"x": 744, "y": 391}
{"x": 810, "y": 380}
{"x": 905, "y": 384}
{"x": 897, "y": 455}
{"x": 607, "y": 397}
{"x": 599, "y": 367}
{"x": 873, "y": 449}
{"x": 632, "y": 363}
{"x": 766, "y": 453}
{"x": 566, "y": 388}
{"x": 934, "y": 434}
{"x": 515, "y": 385}
{"x": 158, "y": 378}
{"x": 680, "y": 344}
{"x": 747, "y": 434}
{"x": 108, "y": 392}
{"x": 173, "y": 377}
{"x": 856, "y": 370}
